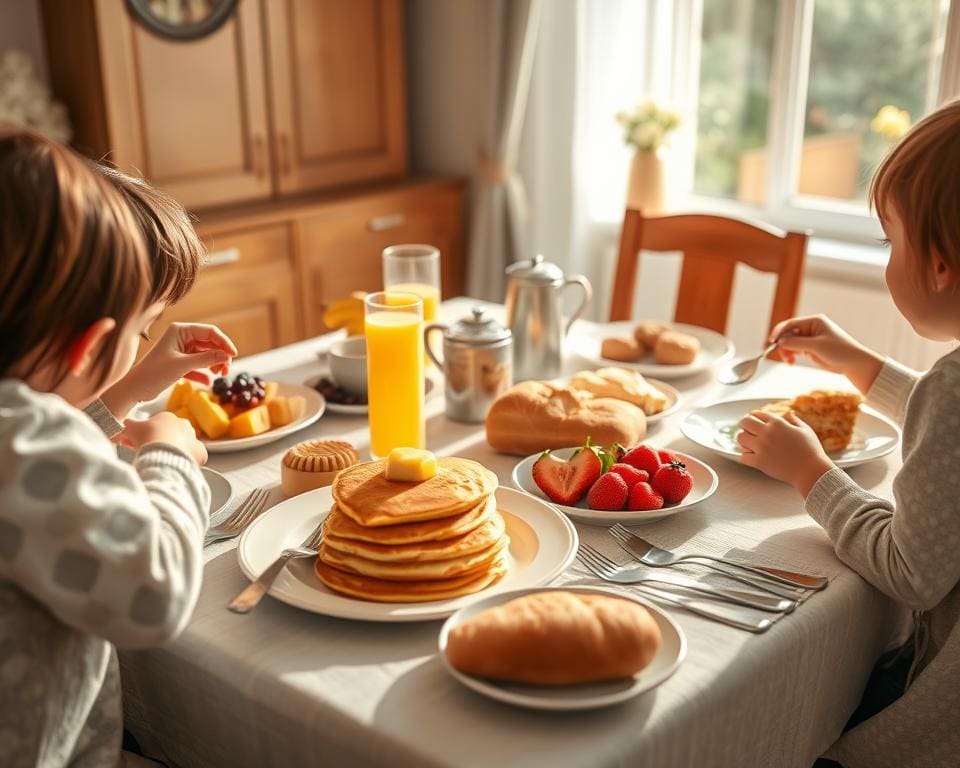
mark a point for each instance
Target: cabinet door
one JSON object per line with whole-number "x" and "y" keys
{"x": 247, "y": 288}
{"x": 190, "y": 116}
{"x": 342, "y": 246}
{"x": 337, "y": 86}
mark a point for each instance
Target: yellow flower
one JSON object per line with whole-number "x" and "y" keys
{"x": 891, "y": 122}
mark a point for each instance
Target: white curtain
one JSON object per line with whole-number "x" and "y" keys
{"x": 594, "y": 59}
{"x": 500, "y": 217}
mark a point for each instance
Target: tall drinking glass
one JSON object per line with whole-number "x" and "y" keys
{"x": 395, "y": 385}
{"x": 414, "y": 269}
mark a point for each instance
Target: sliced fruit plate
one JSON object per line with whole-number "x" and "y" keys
{"x": 602, "y": 487}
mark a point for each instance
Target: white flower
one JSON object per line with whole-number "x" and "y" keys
{"x": 647, "y": 125}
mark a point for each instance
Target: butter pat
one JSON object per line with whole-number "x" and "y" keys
{"x": 410, "y": 465}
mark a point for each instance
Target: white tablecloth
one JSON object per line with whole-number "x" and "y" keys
{"x": 283, "y": 687}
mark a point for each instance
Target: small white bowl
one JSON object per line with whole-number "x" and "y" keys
{"x": 348, "y": 364}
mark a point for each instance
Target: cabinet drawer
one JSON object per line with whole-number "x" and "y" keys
{"x": 228, "y": 250}
{"x": 342, "y": 248}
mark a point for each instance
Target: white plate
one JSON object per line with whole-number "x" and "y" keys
{"x": 314, "y": 410}
{"x": 704, "y": 484}
{"x": 716, "y": 427}
{"x": 714, "y": 349}
{"x": 354, "y": 410}
{"x": 543, "y": 543}
{"x": 220, "y": 490}
{"x": 570, "y": 697}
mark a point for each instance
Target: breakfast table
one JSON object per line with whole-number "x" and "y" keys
{"x": 284, "y": 687}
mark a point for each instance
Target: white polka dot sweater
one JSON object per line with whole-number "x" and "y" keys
{"x": 910, "y": 550}
{"x": 93, "y": 552}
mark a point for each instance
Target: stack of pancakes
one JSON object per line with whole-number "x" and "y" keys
{"x": 400, "y": 542}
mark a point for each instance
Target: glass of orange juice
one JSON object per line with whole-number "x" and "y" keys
{"x": 414, "y": 269}
{"x": 393, "y": 323}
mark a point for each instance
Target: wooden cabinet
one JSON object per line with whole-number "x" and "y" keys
{"x": 338, "y": 92}
{"x": 245, "y": 287}
{"x": 342, "y": 244}
{"x": 193, "y": 117}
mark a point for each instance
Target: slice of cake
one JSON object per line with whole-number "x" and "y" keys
{"x": 832, "y": 414}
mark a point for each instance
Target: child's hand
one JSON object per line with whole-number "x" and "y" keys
{"x": 785, "y": 448}
{"x": 185, "y": 349}
{"x": 829, "y": 347}
{"x": 163, "y": 427}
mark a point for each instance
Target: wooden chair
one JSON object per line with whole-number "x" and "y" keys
{"x": 711, "y": 246}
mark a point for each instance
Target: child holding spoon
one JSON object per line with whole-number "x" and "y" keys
{"x": 907, "y": 547}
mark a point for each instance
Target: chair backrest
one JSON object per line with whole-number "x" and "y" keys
{"x": 711, "y": 246}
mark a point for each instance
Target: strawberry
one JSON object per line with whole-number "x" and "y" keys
{"x": 643, "y": 457}
{"x": 608, "y": 493}
{"x": 643, "y": 498}
{"x": 566, "y": 482}
{"x": 666, "y": 457}
{"x": 673, "y": 482}
{"x": 631, "y": 475}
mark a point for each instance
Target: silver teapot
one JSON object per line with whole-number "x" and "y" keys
{"x": 477, "y": 364}
{"x": 533, "y": 315}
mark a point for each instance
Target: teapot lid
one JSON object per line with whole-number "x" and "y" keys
{"x": 536, "y": 270}
{"x": 479, "y": 328}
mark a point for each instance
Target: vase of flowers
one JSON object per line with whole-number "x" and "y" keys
{"x": 646, "y": 128}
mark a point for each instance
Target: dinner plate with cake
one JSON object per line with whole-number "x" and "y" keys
{"x": 569, "y": 648}
{"x": 409, "y": 538}
{"x": 850, "y": 432}
{"x": 654, "y": 348}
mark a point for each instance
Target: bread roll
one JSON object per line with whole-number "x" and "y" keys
{"x": 556, "y": 638}
{"x": 535, "y": 415}
{"x": 649, "y": 331}
{"x": 622, "y": 349}
{"x": 674, "y": 348}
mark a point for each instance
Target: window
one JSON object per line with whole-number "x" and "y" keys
{"x": 795, "y": 102}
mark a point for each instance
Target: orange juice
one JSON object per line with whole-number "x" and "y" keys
{"x": 431, "y": 298}
{"x": 395, "y": 381}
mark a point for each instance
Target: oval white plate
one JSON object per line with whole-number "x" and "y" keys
{"x": 714, "y": 349}
{"x": 220, "y": 490}
{"x": 716, "y": 426}
{"x": 354, "y": 410}
{"x": 543, "y": 543}
{"x": 314, "y": 410}
{"x": 570, "y": 697}
{"x": 704, "y": 484}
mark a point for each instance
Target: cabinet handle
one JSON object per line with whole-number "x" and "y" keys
{"x": 220, "y": 258}
{"x": 284, "y": 152}
{"x": 259, "y": 164}
{"x": 390, "y": 221}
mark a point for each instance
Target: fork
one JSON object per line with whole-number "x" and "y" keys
{"x": 621, "y": 574}
{"x": 728, "y": 614}
{"x": 238, "y": 520}
{"x": 638, "y": 550}
{"x": 656, "y": 556}
{"x": 253, "y": 593}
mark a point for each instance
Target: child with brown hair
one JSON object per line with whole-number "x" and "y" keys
{"x": 908, "y": 548}
{"x": 93, "y": 552}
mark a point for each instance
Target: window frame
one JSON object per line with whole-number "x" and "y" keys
{"x": 783, "y": 207}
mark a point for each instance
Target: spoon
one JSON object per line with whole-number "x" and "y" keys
{"x": 744, "y": 370}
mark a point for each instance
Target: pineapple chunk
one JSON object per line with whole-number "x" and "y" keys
{"x": 284, "y": 410}
{"x": 179, "y": 395}
{"x": 212, "y": 419}
{"x": 270, "y": 388}
{"x": 410, "y": 465}
{"x": 250, "y": 423}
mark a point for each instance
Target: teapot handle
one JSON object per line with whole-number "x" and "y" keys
{"x": 587, "y": 295}
{"x": 426, "y": 342}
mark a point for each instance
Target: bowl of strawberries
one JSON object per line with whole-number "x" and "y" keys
{"x": 603, "y": 486}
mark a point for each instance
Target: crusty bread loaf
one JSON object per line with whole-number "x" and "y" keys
{"x": 556, "y": 638}
{"x": 535, "y": 415}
